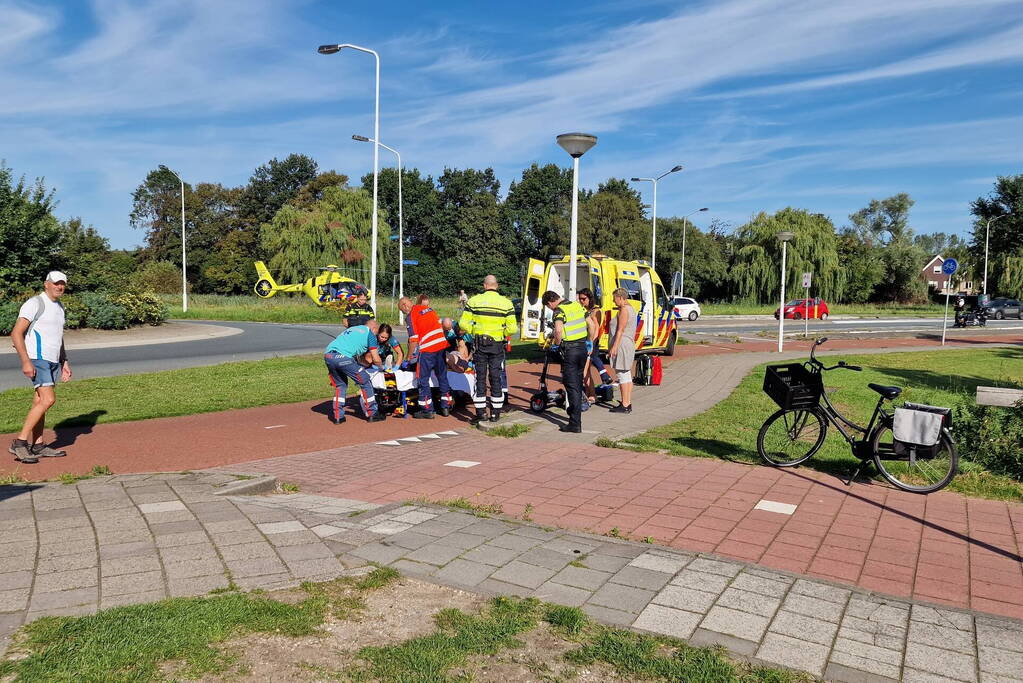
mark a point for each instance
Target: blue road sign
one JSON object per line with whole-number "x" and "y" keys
{"x": 410, "y": 262}
{"x": 949, "y": 266}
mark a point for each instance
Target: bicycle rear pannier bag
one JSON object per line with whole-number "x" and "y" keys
{"x": 916, "y": 430}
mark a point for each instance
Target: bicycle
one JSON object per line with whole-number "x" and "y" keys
{"x": 797, "y": 431}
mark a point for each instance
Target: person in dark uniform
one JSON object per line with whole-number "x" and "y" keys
{"x": 360, "y": 312}
{"x": 490, "y": 318}
{"x": 570, "y": 334}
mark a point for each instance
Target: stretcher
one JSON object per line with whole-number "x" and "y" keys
{"x": 397, "y": 392}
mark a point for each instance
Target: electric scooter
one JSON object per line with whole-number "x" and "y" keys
{"x": 543, "y": 398}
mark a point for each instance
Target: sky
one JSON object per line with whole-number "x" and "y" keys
{"x": 766, "y": 103}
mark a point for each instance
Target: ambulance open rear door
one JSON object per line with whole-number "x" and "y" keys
{"x": 532, "y": 307}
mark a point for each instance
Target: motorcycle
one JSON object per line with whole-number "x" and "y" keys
{"x": 974, "y": 318}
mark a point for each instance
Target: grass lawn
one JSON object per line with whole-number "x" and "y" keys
{"x": 208, "y": 389}
{"x": 282, "y": 308}
{"x": 943, "y": 378}
{"x": 865, "y": 310}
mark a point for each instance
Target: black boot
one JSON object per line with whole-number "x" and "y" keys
{"x": 495, "y": 415}
{"x": 481, "y": 416}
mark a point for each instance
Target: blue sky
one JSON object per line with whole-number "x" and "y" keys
{"x": 768, "y": 103}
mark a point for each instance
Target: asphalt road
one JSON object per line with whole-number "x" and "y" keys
{"x": 866, "y": 328}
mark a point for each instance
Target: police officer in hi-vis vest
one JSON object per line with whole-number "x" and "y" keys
{"x": 490, "y": 318}
{"x": 571, "y": 336}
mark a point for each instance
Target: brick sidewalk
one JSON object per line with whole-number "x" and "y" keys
{"x": 140, "y": 538}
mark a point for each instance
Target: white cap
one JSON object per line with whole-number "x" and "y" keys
{"x": 56, "y": 276}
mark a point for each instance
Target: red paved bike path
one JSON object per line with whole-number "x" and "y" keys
{"x": 941, "y": 548}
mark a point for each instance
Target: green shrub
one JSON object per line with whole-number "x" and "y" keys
{"x": 162, "y": 277}
{"x": 8, "y": 316}
{"x": 991, "y": 437}
{"x": 76, "y": 313}
{"x": 104, "y": 312}
{"x": 143, "y": 308}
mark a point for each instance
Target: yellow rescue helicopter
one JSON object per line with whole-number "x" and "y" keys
{"x": 329, "y": 287}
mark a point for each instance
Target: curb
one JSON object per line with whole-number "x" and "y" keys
{"x": 248, "y": 487}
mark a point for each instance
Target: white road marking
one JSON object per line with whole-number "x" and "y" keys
{"x": 387, "y": 443}
{"x": 461, "y": 463}
{"x": 774, "y": 506}
{"x": 275, "y": 426}
{"x": 429, "y": 436}
{"x": 449, "y": 433}
{"x": 413, "y": 439}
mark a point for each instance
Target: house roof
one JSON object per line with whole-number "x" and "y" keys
{"x": 937, "y": 257}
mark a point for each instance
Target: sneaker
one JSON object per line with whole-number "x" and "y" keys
{"x": 21, "y": 452}
{"x": 621, "y": 409}
{"x": 41, "y": 450}
{"x": 425, "y": 415}
{"x": 376, "y": 417}
{"x": 584, "y": 406}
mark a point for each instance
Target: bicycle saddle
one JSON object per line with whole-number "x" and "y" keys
{"x": 887, "y": 392}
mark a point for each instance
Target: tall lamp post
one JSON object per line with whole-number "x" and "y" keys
{"x": 576, "y": 144}
{"x": 685, "y": 219}
{"x": 653, "y": 243}
{"x": 401, "y": 229}
{"x": 987, "y": 241}
{"x": 329, "y": 50}
{"x": 184, "y": 280}
{"x": 783, "y": 237}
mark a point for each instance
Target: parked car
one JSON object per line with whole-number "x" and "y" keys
{"x": 797, "y": 309}
{"x": 686, "y": 308}
{"x": 1001, "y": 308}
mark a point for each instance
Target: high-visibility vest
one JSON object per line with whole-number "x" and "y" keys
{"x": 573, "y": 317}
{"x": 489, "y": 314}
{"x": 425, "y": 329}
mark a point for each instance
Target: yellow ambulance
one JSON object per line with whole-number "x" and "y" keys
{"x": 655, "y": 329}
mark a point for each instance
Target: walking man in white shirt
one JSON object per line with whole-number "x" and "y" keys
{"x": 38, "y": 337}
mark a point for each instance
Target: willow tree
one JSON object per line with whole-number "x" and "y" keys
{"x": 1010, "y": 281}
{"x": 336, "y": 229}
{"x": 756, "y": 271}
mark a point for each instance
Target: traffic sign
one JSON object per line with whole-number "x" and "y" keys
{"x": 676, "y": 284}
{"x": 949, "y": 266}
{"x": 410, "y": 262}
{"x": 807, "y": 277}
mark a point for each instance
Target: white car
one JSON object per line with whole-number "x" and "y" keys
{"x": 686, "y": 308}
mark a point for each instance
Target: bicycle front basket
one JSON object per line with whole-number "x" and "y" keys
{"x": 792, "y": 386}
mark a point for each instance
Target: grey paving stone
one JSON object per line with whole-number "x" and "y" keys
{"x": 641, "y": 578}
{"x": 435, "y": 554}
{"x": 319, "y": 568}
{"x": 581, "y": 577}
{"x": 196, "y": 551}
{"x": 623, "y": 598}
{"x": 945, "y": 637}
{"x": 244, "y": 551}
{"x": 746, "y": 601}
{"x": 627, "y": 550}
{"x": 80, "y": 522}
{"x": 411, "y": 539}
{"x": 660, "y": 563}
{"x": 821, "y": 591}
{"x": 571, "y": 545}
{"x": 535, "y": 532}
{"x": 999, "y": 662}
{"x": 703, "y": 564}
{"x": 685, "y": 598}
{"x": 878, "y": 610}
{"x": 521, "y": 574}
{"x": 668, "y": 621}
{"x": 389, "y": 528}
{"x": 59, "y": 599}
{"x": 126, "y": 549}
{"x": 488, "y": 528}
{"x": 126, "y": 584}
{"x": 220, "y": 527}
{"x": 64, "y": 611}
{"x": 515, "y": 542}
{"x": 196, "y": 585}
{"x": 942, "y": 617}
{"x": 812, "y": 607}
{"x": 414, "y": 568}
{"x": 934, "y": 660}
{"x": 608, "y": 615}
{"x": 804, "y": 628}
{"x": 703, "y": 638}
{"x": 490, "y": 554}
{"x": 437, "y": 528}
{"x": 357, "y": 537}
{"x": 872, "y": 633}
{"x": 604, "y": 563}
{"x": 12, "y": 600}
{"x": 186, "y": 538}
{"x": 72, "y": 548}
{"x": 378, "y": 552}
{"x": 845, "y": 674}
{"x": 62, "y": 581}
{"x": 735, "y": 623}
{"x": 867, "y": 657}
{"x": 560, "y": 594}
{"x": 544, "y": 557}
{"x": 462, "y": 540}
{"x": 310, "y": 551}
{"x": 910, "y": 675}
{"x": 15, "y": 580}
{"x": 464, "y": 572}
{"x": 265, "y": 581}
{"x": 701, "y": 581}
{"x": 20, "y": 563}
{"x": 256, "y": 567}
{"x": 775, "y": 587}
{"x": 285, "y": 539}
{"x": 175, "y": 527}
{"x": 502, "y": 588}
{"x": 228, "y": 538}
{"x": 793, "y": 653}
{"x": 191, "y": 568}
{"x": 1001, "y": 633}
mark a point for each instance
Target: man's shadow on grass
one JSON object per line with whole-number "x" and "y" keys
{"x": 69, "y": 429}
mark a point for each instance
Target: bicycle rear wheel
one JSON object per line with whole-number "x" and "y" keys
{"x": 911, "y": 473}
{"x": 790, "y": 437}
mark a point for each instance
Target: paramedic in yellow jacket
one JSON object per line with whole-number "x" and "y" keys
{"x": 572, "y": 337}
{"x": 490, "y": 319}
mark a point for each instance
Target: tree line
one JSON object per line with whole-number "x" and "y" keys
{"x": 459, "y": 227}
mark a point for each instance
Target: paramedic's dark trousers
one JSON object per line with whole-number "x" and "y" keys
{"x": 574, "y": 360}
{"x": 489, "y": 362}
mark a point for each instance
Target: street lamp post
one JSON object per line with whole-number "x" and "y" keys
{"x": 987, "y": 241}
{"x": 329, "y": 50}
{"x": 784, "y": 238}
{"x": 184, "y": 280}
{"x": 576, "y": 144}
{"x": 682, "y": 280}
{"x": 401, "y": 229}
{"x": 653, "y": 243}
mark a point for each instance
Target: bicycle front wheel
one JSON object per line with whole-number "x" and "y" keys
{"x": 910, "y": 471}
{"x": 790, "y": 437}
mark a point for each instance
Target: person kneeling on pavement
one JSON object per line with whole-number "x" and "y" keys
{"x": 342, "y": 359}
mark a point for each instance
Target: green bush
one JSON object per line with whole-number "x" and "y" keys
{"x": 76, "y": 313}
{"x": 104, "y": 312}
{"x": 8, "y": 316}
{"x": 991, "y": 437}
{"x": 143, "y": 308}
{"x": 162, "y": 277}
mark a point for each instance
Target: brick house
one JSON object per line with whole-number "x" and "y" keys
{"x": 940, "y": 282}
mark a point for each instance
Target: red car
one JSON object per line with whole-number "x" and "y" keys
{"x": 798, "y": 309}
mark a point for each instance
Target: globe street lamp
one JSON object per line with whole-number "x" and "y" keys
{"x": 329, "y": 50}
{"x": 682, "y": 280}
{"x": 987, "y": 241}
{"x": 783, "y": 237}
{"x": 653, "y": 244}
{"x": 184, "y": 280}
{"x": 576, "y": 144}
{"x": 401, "y": 235}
